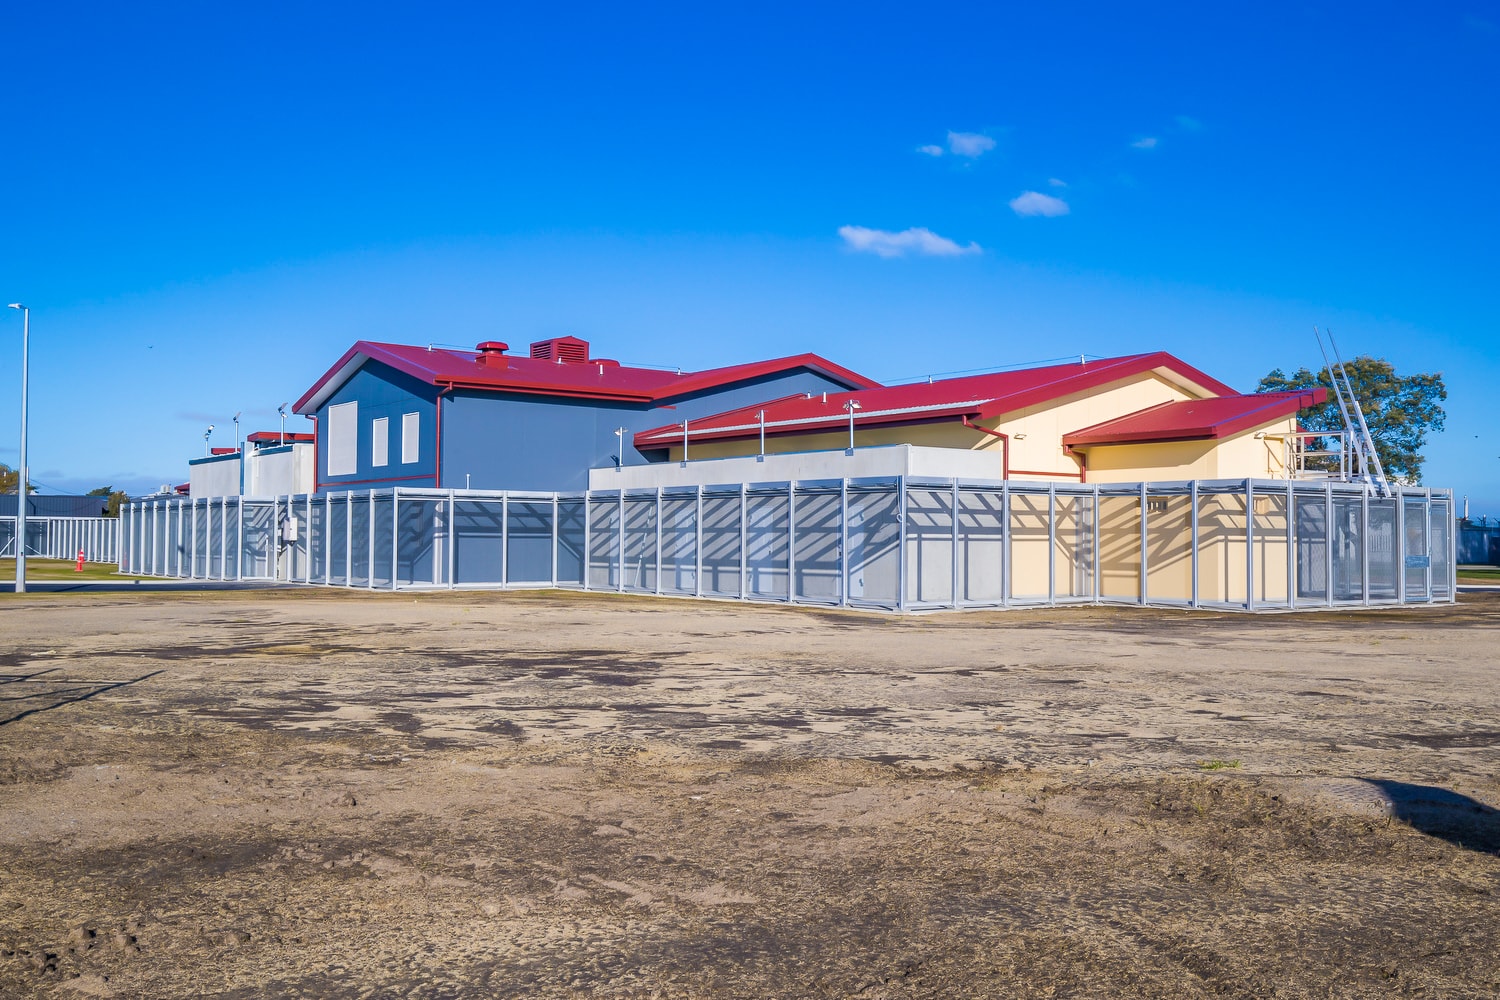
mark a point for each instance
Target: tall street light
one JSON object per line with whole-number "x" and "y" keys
{"x": 22, "y": 477}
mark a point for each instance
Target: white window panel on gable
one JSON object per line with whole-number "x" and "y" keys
{"x": 380, "y": 442}
{"x": 343, "y": 439}
{"x": 411, "y": 436}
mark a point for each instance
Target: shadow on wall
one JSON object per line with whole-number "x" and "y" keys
{"x": 1437, "y": 812}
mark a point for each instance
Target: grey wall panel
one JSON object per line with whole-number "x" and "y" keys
{"x": 494, "y": 441}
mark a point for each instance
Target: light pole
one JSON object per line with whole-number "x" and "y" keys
{"x": 620, "y": 433}
{"x": 22, "y": 477}
{"x": 206, "y": 435}
{"x": 239, "y": 452}
{"x": 851, "y": 406}
{"x": 282, "y": 410}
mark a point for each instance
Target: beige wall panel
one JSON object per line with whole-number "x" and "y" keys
{"x": 1073, "y": 548}
{"x": 1169, "y": 548}
{"x": 1271, "y": 549}
{"x": 1243, "y": 456}
{"x": 1044, "y": 425}
{"x": 1221, "y": 548}
{"x": 1157, "y": 462}
{"x": 951, "y": 434}
{"x": 1028, "y": 546}
{"x": 1120, "y": 547}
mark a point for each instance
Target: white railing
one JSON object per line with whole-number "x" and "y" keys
{"x": 98, "y": 538}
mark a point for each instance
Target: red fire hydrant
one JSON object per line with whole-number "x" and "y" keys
{"x": 79, "y": 567}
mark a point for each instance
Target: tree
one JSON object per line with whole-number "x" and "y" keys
{"x": 1401, "y": 410}
{"x": 8, "y": 478}
{"x": 113, "y": 499}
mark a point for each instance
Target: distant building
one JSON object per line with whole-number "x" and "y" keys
{"x": 46, "y": 505}
{"x": 275, "y": 464}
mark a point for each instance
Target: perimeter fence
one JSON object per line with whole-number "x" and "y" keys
{"x": 895, "y": 544}
{"x": 64, "y": 537}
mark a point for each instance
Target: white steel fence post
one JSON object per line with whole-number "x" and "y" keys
{"x": 791, "y": 542}
{"x": 1052, "y": 543}
{"x": 953, "y": 566}
{"x": 1329, "y": 534}
{"x": 1249, "y": 545}
{"x": 1145, "y": 568}
{"x": 844, "y": 542}
{"x": 1364, "y": 542}
{"x": 1291, "y": 550}
{"x": 1193, "y": 539}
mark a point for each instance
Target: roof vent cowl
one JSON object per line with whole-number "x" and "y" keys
{"x": 492, "y": 353}
{"x": 563, "y": 350}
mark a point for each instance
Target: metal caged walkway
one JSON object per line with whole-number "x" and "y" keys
{"x": 97, "y": 538}
{"x": 894, "y": 544}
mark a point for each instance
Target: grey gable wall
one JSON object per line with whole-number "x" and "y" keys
{"x": 513, "y": 441}
{"x": 382, "y": 391}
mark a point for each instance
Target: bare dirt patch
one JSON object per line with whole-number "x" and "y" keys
{"x": 321, "y": 794}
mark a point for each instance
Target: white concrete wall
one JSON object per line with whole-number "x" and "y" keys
{"x": 217, "y": 477}
{"x": 276, "y": 472}
{"x": 887, "y": 460}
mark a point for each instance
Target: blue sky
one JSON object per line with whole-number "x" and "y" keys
{"x": 204, "y": 205}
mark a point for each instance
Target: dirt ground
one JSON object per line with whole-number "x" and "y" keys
{"x": 312, "y": 793}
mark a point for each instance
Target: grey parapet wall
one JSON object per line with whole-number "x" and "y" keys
{"x": 896, "y": 543}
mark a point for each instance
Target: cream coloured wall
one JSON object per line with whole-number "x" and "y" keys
{"x": 1036, "y": 450}
{"x": 1244, "y": 456}
{"x": 1036, "y": 432}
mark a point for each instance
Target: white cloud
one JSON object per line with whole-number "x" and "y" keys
{"x": 915, "y": 241}
{"x": 970, "y": 144}
{"x": 1188, "y": 124}
{"x": 1148, "y": 142}
{"x": 1057, "y": 182}
{"x": 1036, "y": 203}
{"x": 931, "y": 150}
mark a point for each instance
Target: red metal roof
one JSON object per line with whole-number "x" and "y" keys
{"x": 592, "y": 379}
{"x": 267, "y": 436}
{"x": 976, "y": 396}
{"x": 1219, "y": 417}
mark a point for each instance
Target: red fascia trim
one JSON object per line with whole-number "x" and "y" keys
{"x": 317, "y": 386}
{"x": 380, "y": 479}
{"x": 755, "y": 369}
{"x": 546, "y": 390}
{"x": 1100, "y": 374}
{"x": 1274, "y": 406}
